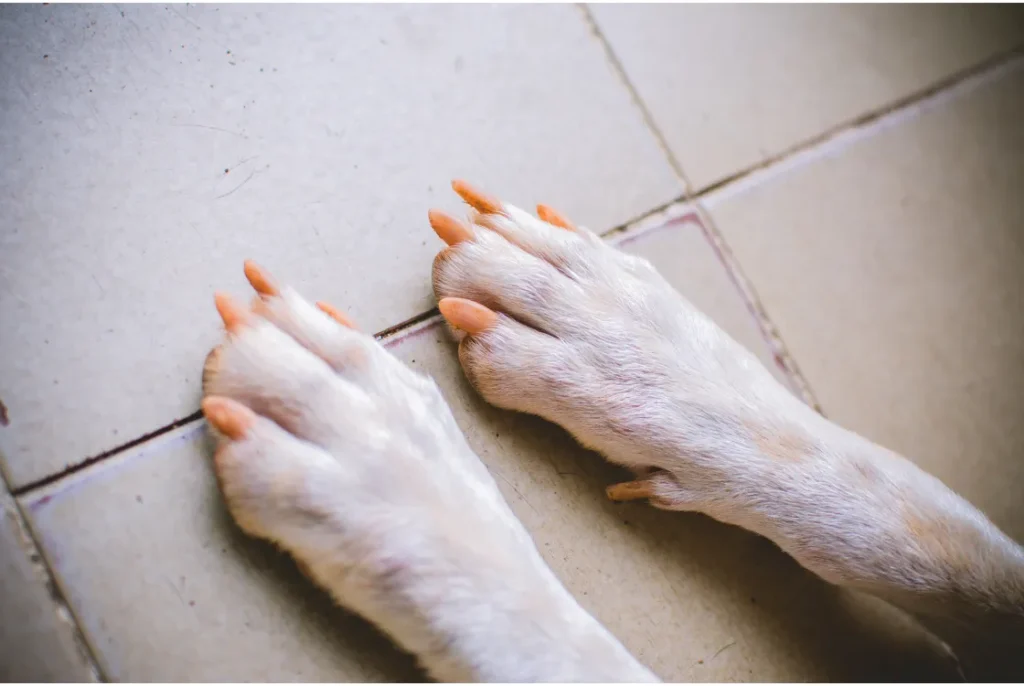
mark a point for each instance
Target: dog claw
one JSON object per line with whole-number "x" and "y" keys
{"x": 234, "y": 317}
{"x": 448, "y": 228}
{"x": 229, "y": 417}
{"x": 471, "y": 317}
{"x": 479, "y": 200}
{"x": 554, "y": 217}
{"x": 336, "y": 314}
{"x": 630, "y": 490}
{"x": 260, "y": 280}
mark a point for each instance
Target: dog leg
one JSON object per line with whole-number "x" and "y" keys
{"x": 338, "y": 453}
{"x": 557, "y": 323}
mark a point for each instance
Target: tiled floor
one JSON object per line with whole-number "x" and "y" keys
{"x": 863, "y": 233}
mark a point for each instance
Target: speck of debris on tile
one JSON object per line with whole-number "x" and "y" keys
{"x": 226, "y": 170}
{"x": 229, "y": 52}
{"x": 138, "y": 498}
{"x": 191, "y": 603}
{"x": 46, "y": 57}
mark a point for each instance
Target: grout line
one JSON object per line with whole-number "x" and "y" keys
{"x": 638, "y": 102}
{"x": 843, "y": 135}
{"x": 387, "y": 336}
{"x": 780, "y": 353}
{"x": 66, "y": 619}
{"x": 836, "y": 139}
{"x": 393, "y": 334}
{"x": 426, "y": 321}
{"x": 89, "y": 461}
{"x": 829, "y": 143}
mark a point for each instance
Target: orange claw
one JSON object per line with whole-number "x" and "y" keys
{"x": 234, "y": 316}
{"x": 554, "y": 217}
{"x": 471, "y": 317}
{"x": 259, "y": 278}
{"x": 630, "y": 490}
{"x": 482, "y": 202}
{"x": 231, "y": 418}
{"x": 448, "y": 228}
{"x": 336, "y": 314}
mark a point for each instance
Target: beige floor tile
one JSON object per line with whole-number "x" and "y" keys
{"x": 36, "y": 643}
{"x": 730, "y": 86}
{"x": 168, "y": 589}
{"x": 149, "y": 149}
{"x": 894, "y": 269}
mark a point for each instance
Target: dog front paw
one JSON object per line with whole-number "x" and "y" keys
{"x": 562, "y": 325}
{"x": 334, "y": 450}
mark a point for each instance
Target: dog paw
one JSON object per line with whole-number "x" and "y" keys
{"x": 555, "y": 322}
{"x": 337, "y": 452}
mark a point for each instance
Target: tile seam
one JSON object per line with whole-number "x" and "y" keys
{"x": 867, "y": 124}
{"x": 831, "y": 142}
{"x": 386, "y": 336}
{"x": 701, "y": 202}
{"x": 43, "y": 573}
{"x": 638, "y": 102}
{"x": 781, "y": 355}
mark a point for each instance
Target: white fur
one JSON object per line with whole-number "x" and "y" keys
{"x": 356, "y": 466}
{"x": 367, "y": 480}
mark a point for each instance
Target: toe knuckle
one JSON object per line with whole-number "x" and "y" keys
{"x": 446, "y": 267}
